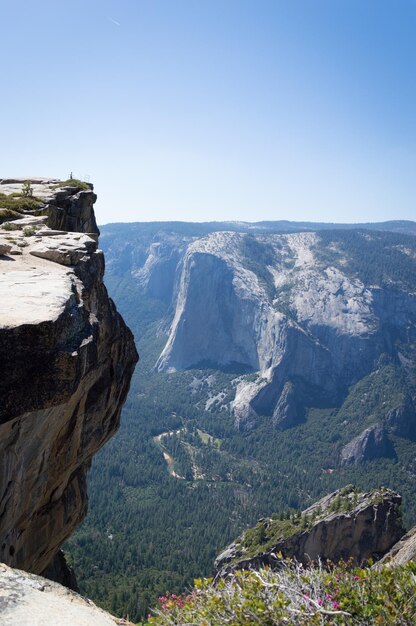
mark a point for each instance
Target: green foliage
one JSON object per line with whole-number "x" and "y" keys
{"x": 375, "y": 395}
{"x": 29, "y": 231}
{"x": 334, "y": 595}
{"x": 266, "y": 534}
{"x": 8, "y": 226}
{"x": 8, "y": 214}
{"x": 74, "y": 182}
{"x": 27, "y": 190}
{"x": 377, "y": 259}
{"x": 20, "y": 203}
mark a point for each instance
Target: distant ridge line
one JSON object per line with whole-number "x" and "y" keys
{"x": 267, "y": 227}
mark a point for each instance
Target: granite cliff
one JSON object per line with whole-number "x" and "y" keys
{"x": 299, "y": 317}
{"x": 66, "y": 362}
{"x": 289, "y": 308}
{"x": 346, "y": 524}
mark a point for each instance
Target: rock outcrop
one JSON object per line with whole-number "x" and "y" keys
{"x": 372, "y": 443}
{"x": 68, "y": 206}
{"x": 343, "y": 525}
{"x": 402, "y": 419}
{"x": 29, "y": 600}
{"x": 403, "y": 551}
{"x": 66, "y": 362}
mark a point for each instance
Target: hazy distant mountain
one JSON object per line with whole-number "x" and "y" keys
{"x": 301, "y": 317}
{"x": 198, "y": 229}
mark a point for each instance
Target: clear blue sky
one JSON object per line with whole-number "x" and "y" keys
{"x": 215, "y": 109}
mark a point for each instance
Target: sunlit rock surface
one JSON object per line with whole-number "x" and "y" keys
{"x": 28, "y": 600}
{"x": 66, "y": 362}
{"x": 276, "y": 305}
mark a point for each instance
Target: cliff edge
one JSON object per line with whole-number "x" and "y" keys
{"x": 66, "y": 357}
{"x": 346, "y": 524}
{"x": 29, "y": 600}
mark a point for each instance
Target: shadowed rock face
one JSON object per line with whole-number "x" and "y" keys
{"x": 372, "y": 443}
{"x": 403, "y": 551}
{"x": 66, "y": 362}
{"x": 342, "y": 525}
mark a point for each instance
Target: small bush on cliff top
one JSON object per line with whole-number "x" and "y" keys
{"x": 335, "y": 595}
{"x": 20, "y": 203}
{"x": 74, "y": 182}
{"x": 29, "y": 231}
{"x": 27, "y": 189}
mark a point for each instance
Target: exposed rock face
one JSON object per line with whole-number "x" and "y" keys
{"x": 403, "y": 551}
{"x": 372, "y": 443}
{"x": 206, "y": 289}
{"x": 67, "y": 358}
{"x": 28, "y": 600}
{"x": 287, "y": 413}
{"x": 274, "y": 305}
{"x": 59, "y": 571}
{"x": 342, "y": 525}
{"x": 68, "y": 208}
{"x": 402, "y": 419}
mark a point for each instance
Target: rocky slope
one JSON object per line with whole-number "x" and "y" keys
{"x": 343, "y": 525}
{"x": 403, "y": 551}
{"x": 67, "y": 358}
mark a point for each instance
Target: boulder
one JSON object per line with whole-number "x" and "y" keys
{"x": 5, "y": 246}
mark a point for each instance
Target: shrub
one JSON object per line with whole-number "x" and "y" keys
{"x": 74, "y": 182}
{"x": 300, "y": 596}
{"x": 27, "y": 190}
{"x": 28, "y": 231}
{"x": 7, "y": 214}
{"x": 20, "y": 203}
{"x": 10, "y": 226}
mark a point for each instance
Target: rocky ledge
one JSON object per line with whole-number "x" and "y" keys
{"x": 344, "y": 525}
{"x": 28, "y": 600}
{"x": 67, "y": 358}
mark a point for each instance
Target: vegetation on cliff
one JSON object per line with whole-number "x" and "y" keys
{"x": 74, "y": 182}
{"x": 19, "y": 203}
{"x": 294, "y": 595}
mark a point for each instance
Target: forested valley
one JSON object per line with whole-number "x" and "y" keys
{"x": 179, "y": 481}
